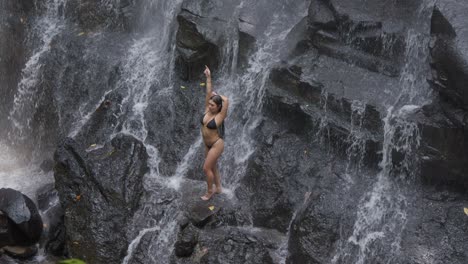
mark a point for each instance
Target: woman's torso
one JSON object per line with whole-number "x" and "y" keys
{"x": 209, "y": 128}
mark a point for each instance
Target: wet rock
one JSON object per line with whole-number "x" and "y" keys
{"x": 271, "y": 207}
{"x": 186, "y": 241}
{"x": 56, "y": 242}
{"x": 443, "y": 152}
{"x": 197, "y": 46}
{"x": 101, "y": 123}
{"x": 14, "y": 20}
{"x": 339, "y": 115}
{"x": 201, "y": 214}
{"x": 230, "y": 216}
{"x": 232, "y": 246}
{"x": 101, "y": 186}
{"x": 54, "y": 228}
{"x": 140, "y": 254}
{"x": 326, "y": 213}
{"x": 20, "y": 252}
{"x": 435, "y": 233}
{"x": 4, "y": 227}
{"x": 450, "y": 52}
{"x": 92, "y": 15}
{"x": 246, "y": 47}
{"x": 361, "y": 37}
{"x": 25, "y": 223}
{"x": 183, "y": 221}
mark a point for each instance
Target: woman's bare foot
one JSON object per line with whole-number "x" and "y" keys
{"x": 219, "y": 190}
{"x": 207, "y": 196}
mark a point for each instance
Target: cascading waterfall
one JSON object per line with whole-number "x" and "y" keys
{"x": 248, "y": 92}
{"x": 46, "y": 27}
{"x": 14, "y": 171}
{"x": 323, "y": 131}
{"x": 382, "y": 215}
{"x": 146, "y": 68}
{"x": 356, "y": 137}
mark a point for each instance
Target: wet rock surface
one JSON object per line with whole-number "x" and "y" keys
{"x": 13, "y": 23}
{"x": 54, "y": 228}
{"x": 100, "y": 186}
{"x": 21, "y": 222}
{"x": 212, "y": 232}
{"x": 313, "y": 190}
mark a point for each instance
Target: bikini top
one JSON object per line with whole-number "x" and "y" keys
{"x": 212, "y": 125}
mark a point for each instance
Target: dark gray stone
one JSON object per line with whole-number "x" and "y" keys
{"x": 195, "y": 48}
{"x": 186, "y": 241}
{"x": 20, "y": 252}
{"x": 450, "y": 52}
{"x": 228, "y": 245}
{"x": 201, "y": 214}
{"x": 25, "y": 228}
{"x": 14, "y": 20}
{"x": 101, "y": 186}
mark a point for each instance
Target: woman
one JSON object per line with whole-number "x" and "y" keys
{"x": 212, "y": 122}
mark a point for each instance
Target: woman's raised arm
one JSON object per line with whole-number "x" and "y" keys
{"x": 209, "y": 87}
{"x": 223, "y": 113}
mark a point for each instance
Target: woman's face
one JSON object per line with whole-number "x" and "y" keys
{"x": 212, "y": 107}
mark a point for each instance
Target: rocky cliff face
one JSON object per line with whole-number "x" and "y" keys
{"x": 345, "y": 138}
{"x": 13, "y": 22}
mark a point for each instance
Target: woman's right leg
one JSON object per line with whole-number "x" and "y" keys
{"x": 217, "y": 178}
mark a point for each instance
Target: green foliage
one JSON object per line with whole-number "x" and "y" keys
{"x": 71, "y": 261}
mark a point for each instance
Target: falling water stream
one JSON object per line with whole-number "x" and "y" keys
{"x": 14, "y": 170}
{"x": 382, "y": 211}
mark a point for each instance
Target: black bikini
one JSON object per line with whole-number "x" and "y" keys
{"x": 212, "y": 125}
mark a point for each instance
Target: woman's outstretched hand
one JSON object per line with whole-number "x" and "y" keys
{"x": 207, "y": 72}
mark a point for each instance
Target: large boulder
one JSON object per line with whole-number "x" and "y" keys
{"x": 100, "y": 191}
{"x": 20, "y": 219}
{"x": 450, "y": 52}
{"x": 197, "y": 45}
{"x": 444, "y": 123}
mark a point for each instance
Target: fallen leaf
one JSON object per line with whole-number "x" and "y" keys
{"x": 71, "y": 261}
{"x": 466, "y": 210}
{"x": 211, "y": 207}
{"x": 22, "y": 20}
{"x": 81, "y": 34}
{"x": 76, "y": 242}
{"x": 182, "y": 87}
{"x": 77, "y": 198}
{"x": 202, "y": 84}
{"x": 92, "y": 145}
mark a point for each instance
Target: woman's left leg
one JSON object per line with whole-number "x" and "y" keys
{"x": 209, "y": 167}
{"x": 217, "y": 179}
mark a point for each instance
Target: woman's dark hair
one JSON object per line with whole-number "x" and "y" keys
{"x": 217, "y": 100}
